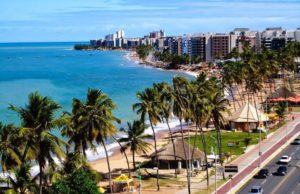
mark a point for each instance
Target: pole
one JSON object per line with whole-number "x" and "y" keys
{"x": 215, "y": 171}
{"x": 140, "y": 178}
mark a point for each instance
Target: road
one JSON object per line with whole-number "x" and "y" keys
{"x": 288, "y": 184}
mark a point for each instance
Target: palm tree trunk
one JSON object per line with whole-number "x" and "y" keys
{"x": 127, "y": 161}
{"x": 133, "y": 161}
{"x": 186, "y": 159}
{"x": 205, "y": 154}
{"x": 219, "y": 140}
{"x": 195, "y": 141}
{"x": 41, "y": 178}
{"x": 233, "y": 98}
{"x": 108, "y": 165}
{"x": 156, "y": 158}
{"x": 172, "y": 139}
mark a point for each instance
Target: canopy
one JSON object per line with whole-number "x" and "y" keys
{"x": 248, "y": 114}
{"x": 122, "y": 179}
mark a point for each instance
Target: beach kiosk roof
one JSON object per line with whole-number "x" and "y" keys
{"x": 282, "y": 92}
{"x": 166, "y": 153}
{"x": 248, "y": 114}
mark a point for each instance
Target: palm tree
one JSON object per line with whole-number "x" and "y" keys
{"x": 165, "y": 97}
{"x": 123, "y": 152}
{"x": 201, "y": 109}
{"x": 21, "y": 180}
{"x": 135, "y": 140}
{"x": 219, "y": 105}
{"x": 148, "y": 107}
{"x": 9, "y": 154}
{"x": 98, "y": 120}
{"x": 37, "y": 120}
{"x": 180, "y": 109}
{"x": 72, "y": 128}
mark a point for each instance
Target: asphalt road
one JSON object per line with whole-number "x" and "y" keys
{"x": 288, "y": 184}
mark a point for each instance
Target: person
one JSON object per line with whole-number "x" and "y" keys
{"x": 293, "y": 117}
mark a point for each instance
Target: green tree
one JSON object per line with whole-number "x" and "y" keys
{"x": 148, "y": 107}
{"x": 21, "y": 180}
{"x": 181, "y": 110}
{"x": 80, "y": 181}
{"x": 9, "y": 152}
{"x": 143, "y": 51}
{"x": 281, "y": 109}
{"x": 72, "y": 128}
{"x": 98, "y": 120}
{"x": 37, "y": 120}
{"x": 165, "y": 97}
{"x": 135, "y": 139}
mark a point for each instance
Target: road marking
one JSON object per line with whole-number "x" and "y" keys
{"x": 285, "y": 178}
{"x": 264, "y": 181}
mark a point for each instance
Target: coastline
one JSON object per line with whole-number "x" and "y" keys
{"x": 133, "y": 56}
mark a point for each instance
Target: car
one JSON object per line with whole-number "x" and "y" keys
{"x": 263, "y": 173}
{"x": 285, "y": 159}
{"x": 296, "y": 141}
{"x": 281, "y": 170}
{"x": 256, "y": 190}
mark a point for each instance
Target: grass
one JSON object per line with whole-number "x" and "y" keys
{"x": 238, "y": 138}
{"x": 169, "y": 182}
{"x": 211, "y": 187}
{"x": 295, "y": 109}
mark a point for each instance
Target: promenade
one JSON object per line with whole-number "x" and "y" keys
{"x": 250, "y": 161}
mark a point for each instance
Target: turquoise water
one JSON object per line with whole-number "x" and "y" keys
{"x": 55, "y": 70}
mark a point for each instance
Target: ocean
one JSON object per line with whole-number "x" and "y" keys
{"x": 58, "y": 71}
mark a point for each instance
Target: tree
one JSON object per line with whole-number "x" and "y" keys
{"x": 247, "y": 141}
{"x": 21, "y": 180}
{"x": 165, "y": 97}
{"x": 97, "y": 119}
{"x": 143, "y": 51}
{"x": 80, "y": 181}
{"x": 181, "y": 110}
{"x": 9, "y": 154}
{"x": 219, "y": 106}
{"x": 72, "y": 128}
{"x": 148, "y": 107}
{"x": 123, "y": 152}
{"x": 37, "y": 120}
{"x": 135, "y": 139}
{"x": 281, "y": 109}
{"x": 200, "y": 110}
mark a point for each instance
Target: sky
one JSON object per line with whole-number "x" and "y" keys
{"x": 82, "y": 20}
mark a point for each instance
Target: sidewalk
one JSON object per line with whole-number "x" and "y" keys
{"x": 250, "y": 160}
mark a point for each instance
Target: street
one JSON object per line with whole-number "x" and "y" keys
{"x": 289, "y": 184}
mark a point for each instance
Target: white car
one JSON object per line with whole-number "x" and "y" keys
{"x": 256, "y": 190}
{"x": 285, "y": 159}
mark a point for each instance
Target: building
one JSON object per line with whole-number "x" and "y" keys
{"x": 157, "y": 34}
{"x": 186, "y": 45}
{"x": 220, "y": 45}
{"x": 297, "y": 35}
{"x": 198, "y": 46}
{"x": 176, "y": 46}
{"x": 243, "y": 36}
{"x": 273, "y": 38}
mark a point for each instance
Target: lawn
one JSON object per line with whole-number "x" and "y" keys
{"x": 211, "y": 188}
{"x": 237, "y": 138}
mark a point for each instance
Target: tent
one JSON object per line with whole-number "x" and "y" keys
{"x": 247, "y": 118}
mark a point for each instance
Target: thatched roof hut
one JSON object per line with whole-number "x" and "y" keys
{"x": 166, "y": 153}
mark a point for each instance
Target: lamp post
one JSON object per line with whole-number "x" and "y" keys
{"x": 215, "y": 159}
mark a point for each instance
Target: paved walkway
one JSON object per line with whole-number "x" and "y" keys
{"x": 250, "y": 160}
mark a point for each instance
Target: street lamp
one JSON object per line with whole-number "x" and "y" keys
{"x": 215, "y": 159}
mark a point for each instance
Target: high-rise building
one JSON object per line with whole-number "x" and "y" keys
{"x": 186, "y": 45}
{"x": 273, "y": 38}
{"x": 297, "y": 35}
{"x": 157, "y": 34}
{"x": 176, "y": 46}
{"x": 220, "y": 45}
{"x": 198, "y": 46}
{"x": 120, "y": 34}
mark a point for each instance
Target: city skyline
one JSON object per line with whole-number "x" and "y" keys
{"x": 67, "y": 20}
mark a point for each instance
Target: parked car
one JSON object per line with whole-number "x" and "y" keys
{"x": 296, "y": 141}
{"x": 285, "y": 159}
{"x": 256, "y": 190}
{"x": 263, "y": 173}
{"x": 281, "y": 170}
